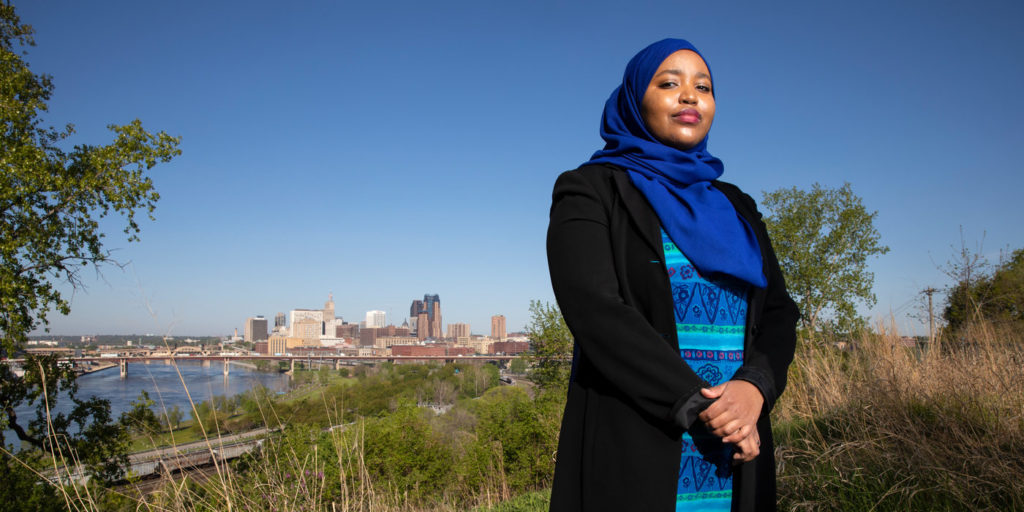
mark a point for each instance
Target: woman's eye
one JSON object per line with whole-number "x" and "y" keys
{"x": 705, "y": 88}
{"x": 667, "y": 85}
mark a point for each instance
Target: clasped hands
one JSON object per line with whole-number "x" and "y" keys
{"x": 733, "y": 416}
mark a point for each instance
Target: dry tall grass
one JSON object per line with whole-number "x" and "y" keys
{"x": 292, "y": 472}
{"x": 876, "y": 426}
{"x": 885, "y": 426}
{"x": 283, "y": 480}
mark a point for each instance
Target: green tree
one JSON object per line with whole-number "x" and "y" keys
{"x": 88, "y": 431}
{"x": 981, "y": 295}
{"x": 507, "y": 420}
{"x": 401, "y": 449}
{"x": 518, "y": 366}
{"x": 141, "y": 419}
{"x": 173, "y": 417}
{"x": 551, "y": 347}
{"x": 52, "y": 198}
{"x": 823, "y": 238}
{"x": 207, "y": 417}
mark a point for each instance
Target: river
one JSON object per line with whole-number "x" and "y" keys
{"x": 164, "y": 387}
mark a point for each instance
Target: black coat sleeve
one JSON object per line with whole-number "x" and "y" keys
{"x": 770, "y": 352}
{"x": 612, "y": 337}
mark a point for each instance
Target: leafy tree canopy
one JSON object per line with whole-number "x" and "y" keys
{"x": 989, "y": 296}
{"x": 551, "y": 344}
{"x": 823, "y": 238}
{"x": 52, "y": 196}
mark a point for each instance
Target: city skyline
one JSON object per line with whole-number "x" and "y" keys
{"x": 326, "y": 326}
{"x": 414, "y": 148}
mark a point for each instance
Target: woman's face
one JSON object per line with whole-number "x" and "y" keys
{"x": 678, "y": 106}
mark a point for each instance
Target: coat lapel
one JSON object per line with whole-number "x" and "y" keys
{"x": 639, "y": 210}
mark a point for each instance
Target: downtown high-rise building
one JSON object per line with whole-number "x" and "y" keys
{"x": 422, "y": 325}
{"x": 375, "y": 318}
{"x": 458, "y": 330}
{"x": 256, "y": 329}
{"x": 433, "y": 306}
{"x": 280, "y": 322}
{"x": 304, "y": 314}
{"x": 498, "y": 327}
{"x": 308, "y": 329}
{"x": 427, "y": 313}
{"x": 329, "y": 308}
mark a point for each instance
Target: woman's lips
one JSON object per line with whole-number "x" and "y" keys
{"x": 688, "y": 116}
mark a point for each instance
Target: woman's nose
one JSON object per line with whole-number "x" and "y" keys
{"x": 687, "y": 96}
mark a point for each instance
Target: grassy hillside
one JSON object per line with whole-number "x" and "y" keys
{"x": 877, "y": 425}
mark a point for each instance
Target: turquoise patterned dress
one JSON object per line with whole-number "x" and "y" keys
{"x": 710, "y": 322}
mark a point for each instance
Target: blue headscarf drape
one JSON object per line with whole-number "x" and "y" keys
{"x": 697, "y": 216}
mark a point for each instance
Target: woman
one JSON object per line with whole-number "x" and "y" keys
{"x": 683, "y": 328}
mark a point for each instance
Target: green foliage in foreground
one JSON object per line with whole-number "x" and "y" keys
{"x": 501, "y": 439}
{"x": 536, "y": 501}
{"x": 21, "y": 491}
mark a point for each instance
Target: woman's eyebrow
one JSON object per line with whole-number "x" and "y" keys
{"x": 680, "y": 72}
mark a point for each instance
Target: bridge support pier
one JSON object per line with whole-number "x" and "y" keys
{"x": 293, "y": 366}
{"x": 123, "y": 363}
{"x": 337, "y": 364}
{"x": 227, "y": 366}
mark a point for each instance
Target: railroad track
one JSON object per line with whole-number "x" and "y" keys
{"x": 198, "y": 474}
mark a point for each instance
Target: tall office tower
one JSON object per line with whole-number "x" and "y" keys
{"x": 329, "y": 308}
{"x": 431, "y": 306}
{"x": 459, "y": 330}
{"x": 435, "y": 324}
{"x": 375, "y": 318}
{"x": 279, "y": 321}
{"x": 498, "y": 327}
{"x": 416, "y": 308}
{"x": 432, "y": 303}
{"x": 422, "y": 326}
{"x": 256, "y": 329}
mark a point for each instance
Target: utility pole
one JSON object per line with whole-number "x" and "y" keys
{"x": 931, "y": 318}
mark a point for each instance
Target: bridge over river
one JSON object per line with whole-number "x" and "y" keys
{"x": 336, "y": 360}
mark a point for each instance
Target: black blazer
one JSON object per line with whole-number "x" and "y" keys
{"x": 631, "y": 395}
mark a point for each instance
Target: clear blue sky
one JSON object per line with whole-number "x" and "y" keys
{"x": 383, "y": 150}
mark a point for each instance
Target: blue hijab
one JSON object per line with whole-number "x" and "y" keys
{"x": 697, "y": 216}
